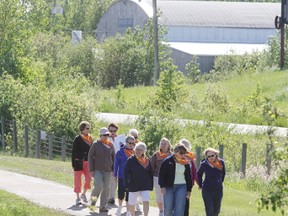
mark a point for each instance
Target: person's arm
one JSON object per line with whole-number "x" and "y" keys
{"x": 91, "y": 154}
{"x": 75, "y": 150}
{"x": 199, "y": 175}
{"x": 162, "y": 174}
{"x": 116, "y": 163}
{"x": 188, "y": 178}
{"x": 127, "y": 173}
{"x": 153, "y": 162}
{"x": 193, "y": 173}
{"x": 223, "y": 171}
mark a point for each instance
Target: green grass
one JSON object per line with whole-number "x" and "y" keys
{"x": 237, "y": 90}
{"x": 237, "y": 201}
{"x": 12, "y": 205}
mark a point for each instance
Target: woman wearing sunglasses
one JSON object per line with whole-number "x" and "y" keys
{"x": 212, "y": 190}
{"x": 80, "y": 149}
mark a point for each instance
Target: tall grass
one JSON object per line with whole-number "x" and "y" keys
{"x": 237, "y": 91}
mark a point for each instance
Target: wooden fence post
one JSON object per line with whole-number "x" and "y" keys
{"x": 63, "y": 148}
{"x": 26, "y": 138}
{"x": 3, "y": 132}
{"x": 50, "y": 151}
{"x": 221, "y": 149}
{"x": 243, "y": 159}
{"x": 14, "y": 136}
{"x": 268, "y": 157}
{"x": 198, "y": 156}
{"x": 38, "y": 143}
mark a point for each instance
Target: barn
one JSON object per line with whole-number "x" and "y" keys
{"x": 205, "y": 29}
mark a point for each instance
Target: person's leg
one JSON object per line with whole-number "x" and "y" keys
{"x": 77, "y": 181}
{"x": 87, "y": 175}
{"x": 87, "y": 180}
{"x": 208, "y": 202}
{"x": 187, "y": 206}
{"x": 179, "y": 199}
{"x": 132, "y": 200}
{"x": 121, "y": 191}
{"x": 112, "y": 189}
{"x": 159, "y": 195}
{"x": 145, "y": 199}
{"x": 217, "y": 202}
{"x": 105, "y": 190}
{"x": 77, "y": 185}
{"x": 98, "y": 184}
{"x": 169, "y": 201}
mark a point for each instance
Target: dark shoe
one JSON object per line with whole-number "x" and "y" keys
{"x": 111, "y": 201}
{"x": 78, "y": 201}
{"x": 103, "y": 209}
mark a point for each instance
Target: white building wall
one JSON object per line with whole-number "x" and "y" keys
{"x": 218, "y": 35}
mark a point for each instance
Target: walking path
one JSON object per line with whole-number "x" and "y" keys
{"x": 51, "y": 194}
{"x": 234, "y": 128}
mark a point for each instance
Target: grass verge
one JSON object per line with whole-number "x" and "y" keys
{"x": 11, "y": 205}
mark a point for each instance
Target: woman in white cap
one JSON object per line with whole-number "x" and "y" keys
{"x": 138, "y": 178}
{"x": 101, "y": 160}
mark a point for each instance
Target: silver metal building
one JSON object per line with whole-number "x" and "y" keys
{"x": 203, "y": 28}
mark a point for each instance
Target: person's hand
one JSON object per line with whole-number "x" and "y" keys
{"x": 163, "y": 190}
{"x": 92, "y": 174}
{"x": 199, "y": 188}
{"x": 188, "y": 194}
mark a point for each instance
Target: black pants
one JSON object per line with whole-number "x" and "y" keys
{"x": 187, "y": 205}
{"x": 212, "y": 201}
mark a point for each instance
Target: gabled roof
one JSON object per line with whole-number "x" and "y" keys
{"x": 216, "y": 14}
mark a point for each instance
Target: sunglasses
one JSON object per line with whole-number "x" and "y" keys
{"x": 209, "y": 156}
{"x": 105, "y": 135}
{"x": 113, "y": 131}
{"x": 87, "y": 128}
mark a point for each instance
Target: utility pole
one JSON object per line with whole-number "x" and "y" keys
{"x": 280, "y": 22}
{"x": 156, "y": 48}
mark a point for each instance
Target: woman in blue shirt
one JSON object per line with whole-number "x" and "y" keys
{"x": 212, "y": 189}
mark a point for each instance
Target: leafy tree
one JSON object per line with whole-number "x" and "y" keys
{"x": 129, "y": 58}
{"x": 193, "y": 70}
{"x": 13, "y": 36}
{"x": 277, "y": 196}
{"x": 171, "y": 87}
{"x": 84, "y": 15}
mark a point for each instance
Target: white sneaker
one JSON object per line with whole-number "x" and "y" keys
{"x": 138, "y": 207}
{"x": 118, "y": 212}
{"x": 128, "y": 213}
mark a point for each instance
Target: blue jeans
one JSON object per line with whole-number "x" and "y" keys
{"x": 174, "y": 200}
{"x": 212, "y": 200}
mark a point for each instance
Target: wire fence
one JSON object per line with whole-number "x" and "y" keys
{"x": 29, "y": 142}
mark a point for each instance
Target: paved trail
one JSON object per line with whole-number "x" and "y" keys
{"x": 51, "y": 194}
{"x": 234, "y": 128}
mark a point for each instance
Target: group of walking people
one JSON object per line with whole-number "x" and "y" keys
{"x": 171, "y": 171}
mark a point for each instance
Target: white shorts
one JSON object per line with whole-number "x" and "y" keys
{"x": 133, "y": 197}
{"x": 159, "y": 195}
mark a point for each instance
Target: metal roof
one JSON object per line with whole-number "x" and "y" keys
{"x": 215, "y": 49}
{"x": 216, "y": 14}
